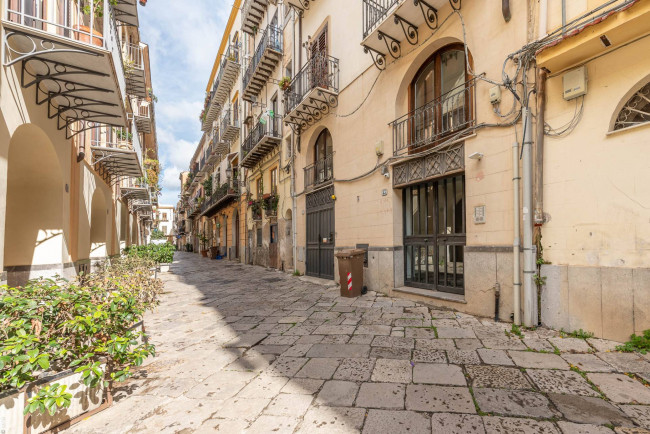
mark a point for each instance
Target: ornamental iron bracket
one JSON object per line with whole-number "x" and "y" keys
{"x": 429, "y": 12}
{"x": 378, "y": 58}
{"x": 394, "y": 48}
{"x": 455, "y": 4}
{"x": 410, "y": 30}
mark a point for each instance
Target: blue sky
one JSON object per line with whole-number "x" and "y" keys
{"x": 183, "y": 38}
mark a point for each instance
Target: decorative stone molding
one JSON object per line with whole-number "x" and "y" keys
{"x": 437, "y": 164}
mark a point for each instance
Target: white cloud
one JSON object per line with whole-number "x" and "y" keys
{"x": 183, "y": 38}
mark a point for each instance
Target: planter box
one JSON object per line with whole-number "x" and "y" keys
{"x": 164, "y": 268}
{"x": 85, "y": 402}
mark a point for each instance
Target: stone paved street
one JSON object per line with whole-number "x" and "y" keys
{"x": 244, "y": 349}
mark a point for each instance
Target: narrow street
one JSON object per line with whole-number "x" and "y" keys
{"x": 245, "y": 349}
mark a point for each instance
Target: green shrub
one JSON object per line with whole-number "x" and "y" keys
{"x": 159, "y": 253}
{"x": 83, "y": 324}
{"x": 636, "y": 343}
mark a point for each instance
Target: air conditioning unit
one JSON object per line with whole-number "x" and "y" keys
{"x": 574, "y": 83}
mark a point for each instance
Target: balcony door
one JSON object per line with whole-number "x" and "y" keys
{"x": 318, "y": 71}
{"x": 320, "y": 233}
{"x": 438, "y": 97}
{"x": 434, "y": 235}
{"x": 323, "y": 157}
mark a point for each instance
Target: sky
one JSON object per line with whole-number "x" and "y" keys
{"x": 183, "y": 38}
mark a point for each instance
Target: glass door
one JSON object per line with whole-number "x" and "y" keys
{"x": 434, "y": 235}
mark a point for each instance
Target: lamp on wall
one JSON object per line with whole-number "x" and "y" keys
{"x": 228, "y": 172}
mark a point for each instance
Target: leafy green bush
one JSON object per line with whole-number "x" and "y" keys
{"x": 636, "y": 343}
{"x": 157, "y": 234}
{"x": 159, "y": 253}
{"x": 84, "y": 324}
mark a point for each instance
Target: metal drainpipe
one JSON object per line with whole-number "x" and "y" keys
{"x": 294, "y": 200}
{"x": 505, "y": 10}
{"x": 539, "y": 147}
{"x": 516, "y": 278}
{"x": 530, "y": 299}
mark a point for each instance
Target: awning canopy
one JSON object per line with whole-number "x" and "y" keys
{"x": 135, "y": 193}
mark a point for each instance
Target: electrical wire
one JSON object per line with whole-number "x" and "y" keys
{"x": 567, "y": 128}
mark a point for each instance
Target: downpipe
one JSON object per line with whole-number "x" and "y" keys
{"x": 516, "y": 243}
{"x": 530, "y": 298}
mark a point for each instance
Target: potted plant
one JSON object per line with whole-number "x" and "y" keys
{"x": 285, "y": 83}
{"x": 204, "y": 245}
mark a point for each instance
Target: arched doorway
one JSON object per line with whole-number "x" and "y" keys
{"x": 34, "y": 209}
{"x": 235, "y": 234}
{"x": 320, "y": 209}
{"x": 98, "y": 222}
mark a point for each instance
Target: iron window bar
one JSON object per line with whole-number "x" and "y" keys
{"x": 449, "y": 113}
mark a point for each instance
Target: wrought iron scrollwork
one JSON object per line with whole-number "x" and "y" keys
{"x": 455, "y": 4}
{"x": 410, "y": 30}
{"x": 392, "y": 45}
{"x": 429, "y": 12}
{"x": 378, "y": 58}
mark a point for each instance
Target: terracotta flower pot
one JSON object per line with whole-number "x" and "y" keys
{"x": 83, "y": 35}
{"x": 204, "y": 253}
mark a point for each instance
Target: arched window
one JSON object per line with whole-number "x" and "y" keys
{"x": 635, "y": 111}
{"x": 439, "y": 99}
{"x": 323, "y": 157}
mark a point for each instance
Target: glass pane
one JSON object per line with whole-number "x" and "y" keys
{"x": 430, "y": 209}
{"x": 415, "y": 211}
{"x": 424, "y": 85}
{"x": 450, "y": 206}
{"x": 441, "y": 208}
{"x": 451, "y": 258}
{"x": 416, "y": 264}
{"x": 460, "y": 250}
{"x": 423, "y": 264}
{"x": 452, "y": 76}
{"x": 423, "y": 209}
{"x": 408, "y": 212}
{"x": 442, "y": 264}
{"x": 431, "y": 265}
{"x": 459, "y": 227}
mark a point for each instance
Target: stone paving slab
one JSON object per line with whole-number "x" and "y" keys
{"x": 246, "y": 349}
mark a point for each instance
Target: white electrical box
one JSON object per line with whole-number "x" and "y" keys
{"x": 495, "y": 94}
{"x": 575, "y": 83}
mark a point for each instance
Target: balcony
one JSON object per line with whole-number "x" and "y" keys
{"x": 261, "y": 140}
{"x": 252, "y": 13}
{"x": 135, "y": 75}
{"x": 444, "y": 117}
{"x": 299, "y": 5}
{"x": 142, "y": 115}
{"x": 126, "y": 11}
{"x": 221, "y": 197}
{"x": 261, "y": 66}
{"x": 116, "y": 152}
{"x": 229, "y": 125}
{"x": 319, "y": 173}
{"x": 74, "y": 60}
{"x": 312, "y": 92}
{"x": 228, "y": 71}
{"x": 387, "y": 24}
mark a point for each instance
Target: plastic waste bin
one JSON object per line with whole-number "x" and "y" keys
{"x": 351, "y": 271}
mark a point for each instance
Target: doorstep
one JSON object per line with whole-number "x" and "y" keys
{"x": 438, "y": 295}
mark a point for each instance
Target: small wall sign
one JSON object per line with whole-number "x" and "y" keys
{"x": 479, "y": 214}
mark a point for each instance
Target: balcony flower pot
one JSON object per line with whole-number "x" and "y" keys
{"x": 83, "y": 35}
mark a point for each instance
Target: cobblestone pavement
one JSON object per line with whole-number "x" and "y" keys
{"x": 244, "y": 349}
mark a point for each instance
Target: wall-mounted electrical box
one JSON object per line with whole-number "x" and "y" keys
{"x": 495, "y": 94}
{"x": 574, "y": 83}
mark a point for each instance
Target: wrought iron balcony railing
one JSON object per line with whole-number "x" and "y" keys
{"x": 220, "y": 196}
{"x": 427, "y": 125}
{"x": 271, "y": 40}
{"x": 228, "y": 70}
{"x": 375, "y": 11}
{"x": 321, "y": 72}
{"x": 132, "y": 56}
{"x": 319, "y": 172}
{"x": 263, "y": 137}
{"x": 37, "y": 37}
